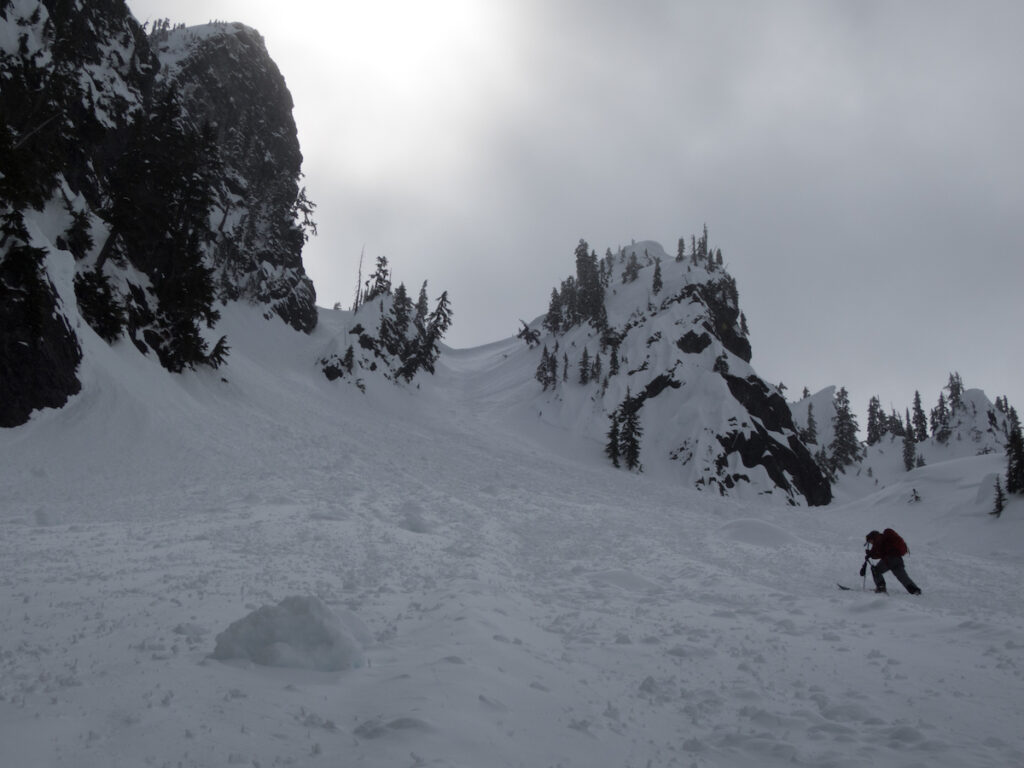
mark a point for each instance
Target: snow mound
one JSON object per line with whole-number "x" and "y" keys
{"x": 757, "y": 532}
{"x": 299, "y": 632}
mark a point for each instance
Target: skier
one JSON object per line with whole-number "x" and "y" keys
{"x": 888, "y": 548}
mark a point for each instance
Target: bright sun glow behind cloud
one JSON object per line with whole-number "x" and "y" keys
{"x": 409, "y": 83}
{"x": 390, "y": 85}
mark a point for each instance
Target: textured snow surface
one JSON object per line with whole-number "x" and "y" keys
{"x": 500, "y": 596}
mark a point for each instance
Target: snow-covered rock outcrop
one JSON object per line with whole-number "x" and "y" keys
{"x": 224, "y": 74}
{"x": 137, "y": 192}
{"x": 667, "y": 381}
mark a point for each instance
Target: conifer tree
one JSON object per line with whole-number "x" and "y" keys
{"x": 159, "y": 215}
{"x": 553, "y": 319}
{"x": 845, "y": 448}
{"x": 379, "y": 283}
{"x": 909, "y": 449}
{"x": 591, "y": 292}
{"x": 77, "y": 237}
{"x": 1000, "y": 501}
{"x": 595, "y": 368}
{"x": 1015, "y": 462}
{"x": 821, "y": 458}
{"x": 632, "y": 270}
{"x": 543, "y": 368}
{"x": 810, "y": 435}
{"x": 657, "y": 283}
{"x": 956, "y": 392}
{"x": 570, "y": 303}
{"x": 630, "y": 433}
{"x": 920, "y": 422}
{"x": 1013, "y": 421}
{"x": 422, "y": 308}
{"x": 876, "y": 419}
{"x": 565, "y": 366}
{"x": 423, "y": 353}
{"x": 940, "y": 420}
{"x": 681, "y": 249}
{"x": 611, "y": 447}
{"x": 585, "y": 367}
{"x": 394, "y": 327}
{"x": 99, "y": 305}
{"x": 613, "y": 362}
{"x": 894, "y": 424}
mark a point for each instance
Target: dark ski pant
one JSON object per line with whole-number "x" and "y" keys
{"x": 894, "y": 564}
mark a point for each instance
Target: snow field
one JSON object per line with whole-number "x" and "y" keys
{"x": 526, "y": 605}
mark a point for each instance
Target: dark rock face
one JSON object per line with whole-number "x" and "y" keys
{"x": 96, "y": 125}
{"x": 692, "y": 344}
{"x": 228, "y": 79}
{"x": 769, "y": 407}
{"x": 61, "y": 117}
{"x": 39, "y": 353}
{"x": 722, "y": 301}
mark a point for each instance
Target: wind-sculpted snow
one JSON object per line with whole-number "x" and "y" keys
{"x": 525, "y": 605}
{"x": 299, "y": 632}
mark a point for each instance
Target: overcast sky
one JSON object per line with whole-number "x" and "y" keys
{"x": 859, "y": 163}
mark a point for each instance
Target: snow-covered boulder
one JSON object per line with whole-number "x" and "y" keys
{"x": 299, "y": 632}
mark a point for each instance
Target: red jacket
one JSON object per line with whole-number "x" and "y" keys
{"x": 887, "y": 544}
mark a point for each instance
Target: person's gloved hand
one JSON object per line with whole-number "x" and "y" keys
{"x": 864, "y": 568}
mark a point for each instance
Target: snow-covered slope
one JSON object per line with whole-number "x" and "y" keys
{"x": 516, "y": 602}
{"x": 975, "y": 428}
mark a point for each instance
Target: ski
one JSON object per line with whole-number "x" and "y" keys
{"x": 842, "y": 587}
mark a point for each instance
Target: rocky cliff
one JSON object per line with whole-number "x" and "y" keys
{"x": 224, "y": 74}
{"x": 144, "y": 179}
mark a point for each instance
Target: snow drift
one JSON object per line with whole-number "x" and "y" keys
{"x": 299, "y": 632}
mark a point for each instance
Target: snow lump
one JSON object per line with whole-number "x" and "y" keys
{"x": 299, "y": 632}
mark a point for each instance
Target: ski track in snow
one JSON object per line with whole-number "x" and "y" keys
{"x": 528, "y": 607}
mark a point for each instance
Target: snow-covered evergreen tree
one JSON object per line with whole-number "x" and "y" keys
{"x": 940, "y": 420}
{"x": 584, "y": 367}
{"x": 810, "y": 433}
{"x": 630, "y": 432}
{"x": 553, "y": 320}
{"x": 611, "y": 448}
{"x": 845, "y": 448}
{"x": 909, "y": 449}
{"x": 920, "y": 421}
{"x": 876, "y": 421}
{"x": 656, "y": 283}
{"x": 1000, "y": 500}
{"x": 544, "y": 368}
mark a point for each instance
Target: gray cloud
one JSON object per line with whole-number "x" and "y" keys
{"x": 858, "y": 164}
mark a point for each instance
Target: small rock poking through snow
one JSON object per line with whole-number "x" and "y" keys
{"x": 299, "y": 632}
